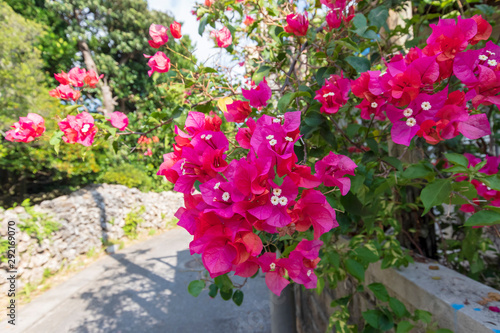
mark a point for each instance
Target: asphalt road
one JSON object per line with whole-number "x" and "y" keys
{"x": 143, "y": 288}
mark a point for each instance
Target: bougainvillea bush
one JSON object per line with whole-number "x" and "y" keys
{"x": 375, "y": 122}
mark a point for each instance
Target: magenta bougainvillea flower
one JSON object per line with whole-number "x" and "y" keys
{"x": 159, "y": 63}
{"x": 275, "y": 272}
{"x": 76, "y": 76}
{"x": 175, "y": 30}
{"x": 223, "y": 37}
{"x": 26, "y": 129}
{"x": 158, "y": 35}
{"x": 259, "y": 95}
{"x": 246, "y": 195}
{"x": 118, "y": 120}
{"x": 312, "y": 209}
{"x": 297, "y": 24}
{"x": 334, "y": 4}
{"x": 332, "y": 170}
{"x": 79, "y": 129}
{"x": 334, "y": 19}
{"x": 334, "y": 94}
{"x": 484, "y": 30}
{"x": 237, "y": 111}
{"x": 65, "y": 92}
{"x": 244, "y": 135}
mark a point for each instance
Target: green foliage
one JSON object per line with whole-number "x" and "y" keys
{"x": 128, "y": 175}
{"x": 38, "y": 225}
{"x": 195, "y": 287}
{"x": 132, "y": 220}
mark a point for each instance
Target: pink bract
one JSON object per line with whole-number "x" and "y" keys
{"x": 79, "y": 129}
{"x": 159, "y": 63}
{"x": 158, "y": 35}
{"x": 223, "y": 37}
{"x": 118, "y": 120}
{"x": 26, "y": 129}
{"x": 258, "y": 96}
{"x": 297, "y": 24}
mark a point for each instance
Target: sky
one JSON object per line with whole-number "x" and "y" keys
{"x": 181, "y": 11}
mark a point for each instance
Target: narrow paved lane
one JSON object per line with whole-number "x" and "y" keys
{"x": 143, "y": 288}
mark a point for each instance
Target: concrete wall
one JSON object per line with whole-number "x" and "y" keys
{"x": 451, "y": 298}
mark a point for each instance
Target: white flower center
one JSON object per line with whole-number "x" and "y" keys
{"x": 426, "y": 106}
{"x": 216, "y": 186}
{"x": 411, "y": 122}
{"x": 483, "y": 57}
{"x": 277, "y": 191}
{"x": 276, "y": 121}
{"x": 202, "y": 136}
{"x": 289, "y": 139}
{"x": 374, "y": 104}
{"x": 283, "y": 201}
{"x": 208, "y": 137}
{"x": 492, "y": 62}
{"x": 269, "y": 137}
{"x": 331, "y": 93}
{"x": 492, "y": 53}
{"x": 309, "y": 272}
{"x": 272, "y": 266}
{"x": 280, "y": 117}
{"x": 226, "y": 196}
{"x": 85, "y": 128}
{"x": 275, "y": 200}
{"x": 408, "y": 112}
{"x": 273, "y": 142}
{"x": 17, "y": 130}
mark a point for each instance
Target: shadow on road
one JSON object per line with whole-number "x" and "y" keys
{"x": 153, "y": 297}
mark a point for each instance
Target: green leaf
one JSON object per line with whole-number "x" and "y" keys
{"x": 55, "y": 140}
{"x": 404, "y": 327}
{"x": 226, "y": 294}
{"x": 323, "y": 73}
{"x": 457, "y": 159}
{"x": 394, "y": 162}
{"x": 464, "y": 188}
{"x": 195, "y": 287}
{"x": 435, "y": 193}
{"x": 238, "y": 297}
{"x": 212, "y": 290}
{"x": 203, "y": 23}
{"x": 223, "y": 282}
{"x": 115, "y": 146}
{"x": 378, "y": 17}
{"x": 288, "y": 98}
{"x": 366, "y": 254}
{"x": 359, "y": 64}
{"x": 492, "y": 181}
{"x": 423, "y": 316}
{"x": 378, "y": 319}
{"x": 320, "y": 285}
{"x": 197, "y": 185}
{"x": 397, "y": 307}
{"x": 260, "y": 73}
{"x": 71, "y": 108}
{"x": 355, "y": 269}
{"x": 417, "y": 171}
{"x": 483, "y": 218}
{"x": 359, "y": 21}
{"x": 314, "y": 119}
{"x": 379, "y": 291}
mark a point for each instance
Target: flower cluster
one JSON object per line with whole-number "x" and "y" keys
{"x": 159, "y": 62}
{"x": 75, "y": 78}
{"x": 412, "y": 92}
{"x": 26, "y": 129}
{"x": 266, "y": 191}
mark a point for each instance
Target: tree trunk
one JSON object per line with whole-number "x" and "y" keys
{"x": 108, "y": 102}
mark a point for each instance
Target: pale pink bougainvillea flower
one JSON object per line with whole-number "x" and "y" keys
{"x": 79, "y": 129}
{"x": 148, "y": 152}
{"x": 118, "y": 120}
{"x": 297, "y": 24}
{"x": 158, "y": 34}
{"x": 258, "y": 96}
{"x": 65, "y": 92}
{"x": 26, "y": 129}
{"x": 222, "y": 36}
{"x": 159, "y": 63}
{"x": 175, "y": 30}
{"x": 77, "y": 76}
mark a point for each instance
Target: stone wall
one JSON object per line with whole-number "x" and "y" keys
{"x": 450, "y": 297}
{"x": 87, "y": 218}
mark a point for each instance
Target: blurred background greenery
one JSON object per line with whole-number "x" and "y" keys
{"x": 43, "y": 37}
